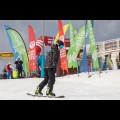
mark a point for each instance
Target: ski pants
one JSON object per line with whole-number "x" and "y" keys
{"x": 19, "y": 73}
{"x": 48, "y": 79}
{"x": 8, "y": 75}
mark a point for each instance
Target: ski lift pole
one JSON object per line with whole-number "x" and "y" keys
{"x": 43, "y": 34}
{"x": 99, "y": 71}
{"x": 68, "y": 73}
{"x": 42, "y": 59}
{"x": 78, "y": 68}
{"x": 62, "y": 73}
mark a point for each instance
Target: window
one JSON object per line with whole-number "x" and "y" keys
{"x": 110, "y": 45}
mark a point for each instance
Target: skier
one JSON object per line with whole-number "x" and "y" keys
{"x": 50, "y": 69}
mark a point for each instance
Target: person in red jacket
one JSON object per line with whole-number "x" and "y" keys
{"x": 8, "y": 70}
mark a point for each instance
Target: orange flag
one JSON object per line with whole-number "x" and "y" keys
{"x": 63, "y": 57}
{"x": 32, "y": 49}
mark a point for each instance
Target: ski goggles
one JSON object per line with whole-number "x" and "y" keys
{"x": 61, "y": 46}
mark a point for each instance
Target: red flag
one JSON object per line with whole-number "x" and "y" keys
{"x": 63, "y": 57}
{"x": 39, "y": 46}
{"x": 39, "y": 43}
{"x": 32, "y": 49}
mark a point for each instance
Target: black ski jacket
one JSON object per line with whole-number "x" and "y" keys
{"x": 52, "y": 57}
{"x": 19, "y": 65}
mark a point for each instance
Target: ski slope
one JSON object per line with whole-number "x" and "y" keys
{"x": 74, "y": 87}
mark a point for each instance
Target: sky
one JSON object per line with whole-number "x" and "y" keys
{"x": 73, "y": 87}
{"x": 103, "y": 29}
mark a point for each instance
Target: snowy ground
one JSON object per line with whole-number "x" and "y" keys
{"x": 74, "y": 87}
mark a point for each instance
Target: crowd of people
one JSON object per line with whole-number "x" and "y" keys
{"x": 106, "y": 64}
{"x": 9, "y": 72}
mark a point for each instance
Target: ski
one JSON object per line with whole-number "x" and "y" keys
{"x": 34, "y": 95}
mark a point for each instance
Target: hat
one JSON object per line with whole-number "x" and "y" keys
{"x": 60, "y": 44}
{"x": 9, "y": 63}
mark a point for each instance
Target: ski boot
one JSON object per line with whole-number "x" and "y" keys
{"x": 37, "y": 92}
{"x": 50, "y": 93}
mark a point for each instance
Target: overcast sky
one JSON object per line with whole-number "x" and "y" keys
{"x": 104, "y": 29}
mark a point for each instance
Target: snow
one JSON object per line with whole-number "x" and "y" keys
{"x": 74, "y": 87}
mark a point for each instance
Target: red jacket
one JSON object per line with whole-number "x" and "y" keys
{"x": 8, "y": 68}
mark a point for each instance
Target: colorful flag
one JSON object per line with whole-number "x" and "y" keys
{"x": 78, "y": 42}
{"x": 93, "y": 45}
{"x": 72, "y": 41}
{"x": 65, "y": 27}
{"x": 15, "y": 52}
{"x": 32, "y": 49}
{"x": 19, "y": 45}
{"x": 84, "y": 65}
{"x": 39, "y": 45}
{"x": 63, "y": 57}
{"x": 72, "y": 35}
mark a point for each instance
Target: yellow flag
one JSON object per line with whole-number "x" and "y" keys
{"x": 65, "y": 27}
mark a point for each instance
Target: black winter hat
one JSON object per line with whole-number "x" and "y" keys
{"x": 59, "y": 42}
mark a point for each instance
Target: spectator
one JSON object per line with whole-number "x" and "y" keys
{"x": 118, "y": 62}
{"x": 9, "y": 69}
{"x": 5, "y": 73}
{"x": 89, "y": 64}
{"x": 19, "y": 67}
{"x": 105, "y": 63}
{"x": 109, "y": 62}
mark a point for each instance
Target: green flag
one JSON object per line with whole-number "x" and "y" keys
{"x": 72, "y": 35}
{"x": 75, "y": 48}
{"x": 93, "y": 45}
{"x": 20, "y": 47}
{"x": 72, "y": 43}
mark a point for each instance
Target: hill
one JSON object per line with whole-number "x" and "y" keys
{"x": 74, "y": 87}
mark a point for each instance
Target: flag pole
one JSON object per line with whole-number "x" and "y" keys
{"x": 43, "y": 52}
{"x": 43, "y": 35}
